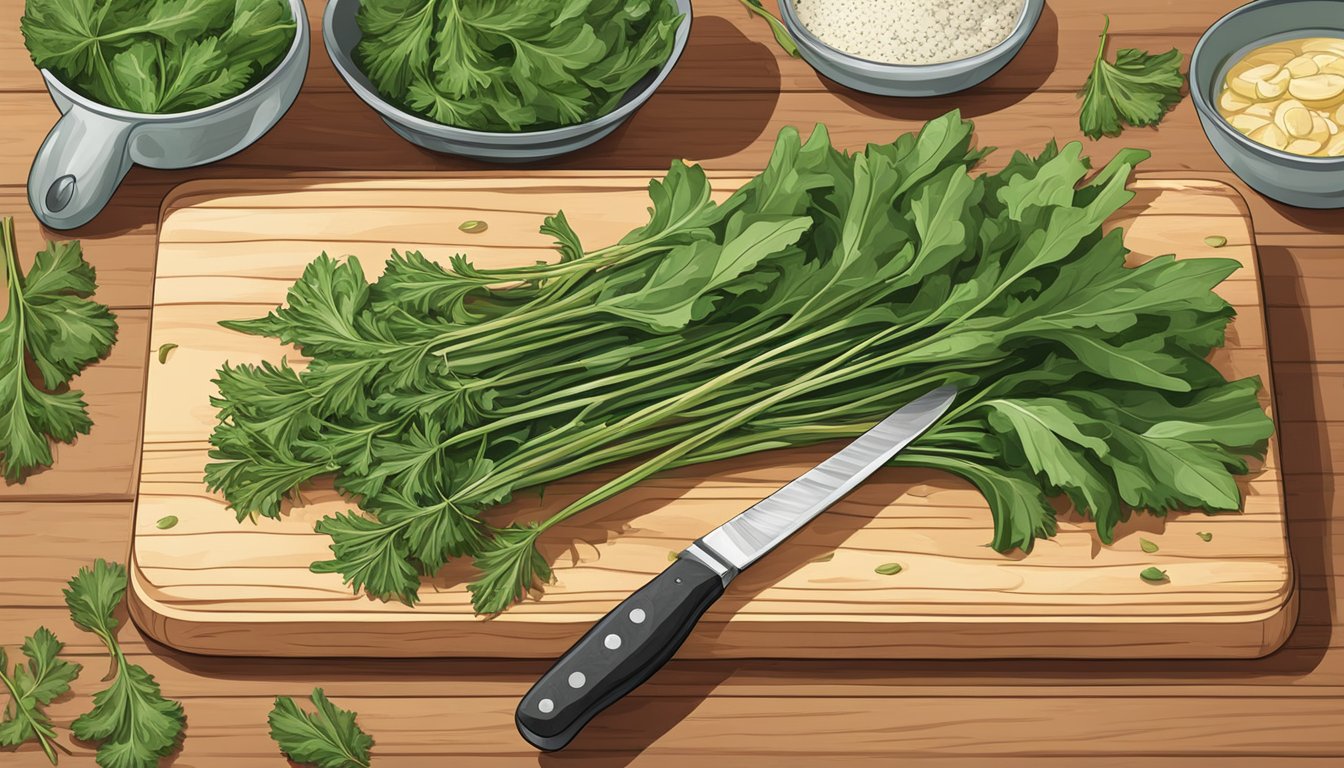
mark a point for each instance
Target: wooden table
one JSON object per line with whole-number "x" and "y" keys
{"x": 723, "y": 105}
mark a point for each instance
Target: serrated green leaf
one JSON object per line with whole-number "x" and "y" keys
{"x": 1137, "y": 90}
{"x": 681, "y": 287}
{"x": 368, "y": 558}
{"x": 131, "y": 721}
{"x": 510, "y": 565}
{"x": 51, "y": 324}
{"x": 93, "y": 594}
{"x": 31, "y": 687}
{"x": 327, "y": 738}
{"x": 134, "y": 725}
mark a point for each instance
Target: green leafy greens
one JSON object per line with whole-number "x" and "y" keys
{"x": 33, "y": 686}
{"x": 158, "y": 56}
{"x": 512, "y": 65}
{"x": 327, "y": 738}
{"x": 1138, "y": 89}
{"x": 825, "y": 293}
{"x": 131, "y": 720}
{"x": 777, "y": 28}
{"x": 51, "y": 324}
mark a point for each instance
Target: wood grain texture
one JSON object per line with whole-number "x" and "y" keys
{"x": 229, "y": 250}
{"x": 1302, "y": 272}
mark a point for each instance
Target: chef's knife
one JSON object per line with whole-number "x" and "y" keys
{"x": 638, "y": 637}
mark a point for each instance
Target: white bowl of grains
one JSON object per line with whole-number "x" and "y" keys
{"x": 909, "y": 47}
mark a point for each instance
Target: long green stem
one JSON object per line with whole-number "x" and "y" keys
{"x": 46, "y": 736}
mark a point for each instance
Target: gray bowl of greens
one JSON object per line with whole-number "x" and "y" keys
{"x": 532, "y": 80}
{"x": 158, "y": 85}
{"x": 936, "y": 59}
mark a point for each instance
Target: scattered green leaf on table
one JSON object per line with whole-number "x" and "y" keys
{"x": 31, "y": 687}
{"x": 164, "y": 349}
{"x": 512, "y": 66}
{"x": 825, "y": 293}
{"x": 889, "y": 569}
{"x": 1147, "y": 546}
{"x": 166, "y": 522}
{"x": 131, "y": 721}
{"x": 777, "y": 27}
{"x": 826, "y": 558}
{"x": 671, "y": 556}
{"x": 1205, "y": 535}
{"x": 1215, "y": 241}
{"x": 329, "y": 737}
{"x": 1137, "y": 90}
{"x": 158, "y": 56}
{"x": 52, "y": 324}
{"x": 473, "y": 227}
{"x": 1153, "y": 575}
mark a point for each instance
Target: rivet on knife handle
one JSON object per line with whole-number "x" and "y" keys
{"x": 619, "y": 653}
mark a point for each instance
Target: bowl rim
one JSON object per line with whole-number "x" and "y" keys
{"x": 344, "y": 63}
{"x": 302, "y": 30}
{"x": 1210, "y": 113}
{"x": 1030, "y": 8}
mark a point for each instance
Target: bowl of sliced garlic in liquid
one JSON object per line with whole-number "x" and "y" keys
{"x": 1267, "y": 81}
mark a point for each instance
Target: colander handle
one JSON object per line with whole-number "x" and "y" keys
{"x": 79, "y": 166}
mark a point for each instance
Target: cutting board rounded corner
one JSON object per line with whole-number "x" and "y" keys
{"x": 1277, "y": 624}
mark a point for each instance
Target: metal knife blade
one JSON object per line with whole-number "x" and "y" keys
{"x": 625, "y": 647}
{"x": 743, "y": 540}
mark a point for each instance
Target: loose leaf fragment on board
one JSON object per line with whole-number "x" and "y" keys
{"x": 1153, "y": 575}
{"x": 889, "y": 569}
{"x": 1147, "y": 546}
{"x": 329, "y": 737}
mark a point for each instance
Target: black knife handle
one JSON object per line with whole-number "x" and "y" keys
{"x": 619, "y": 653}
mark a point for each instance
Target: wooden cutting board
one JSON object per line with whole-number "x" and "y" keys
{"x": 230, "y": 249}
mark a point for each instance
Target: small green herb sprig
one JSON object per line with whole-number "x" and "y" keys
{"x": 328, "y": 737}
{"x": 52, "y": 324}
{"x": 31, "y": 687}
{"x": 1138, "y": 89}
{"x": 131, "y": 721}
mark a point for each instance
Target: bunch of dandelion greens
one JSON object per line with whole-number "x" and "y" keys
{"x": 827, "y": 292}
